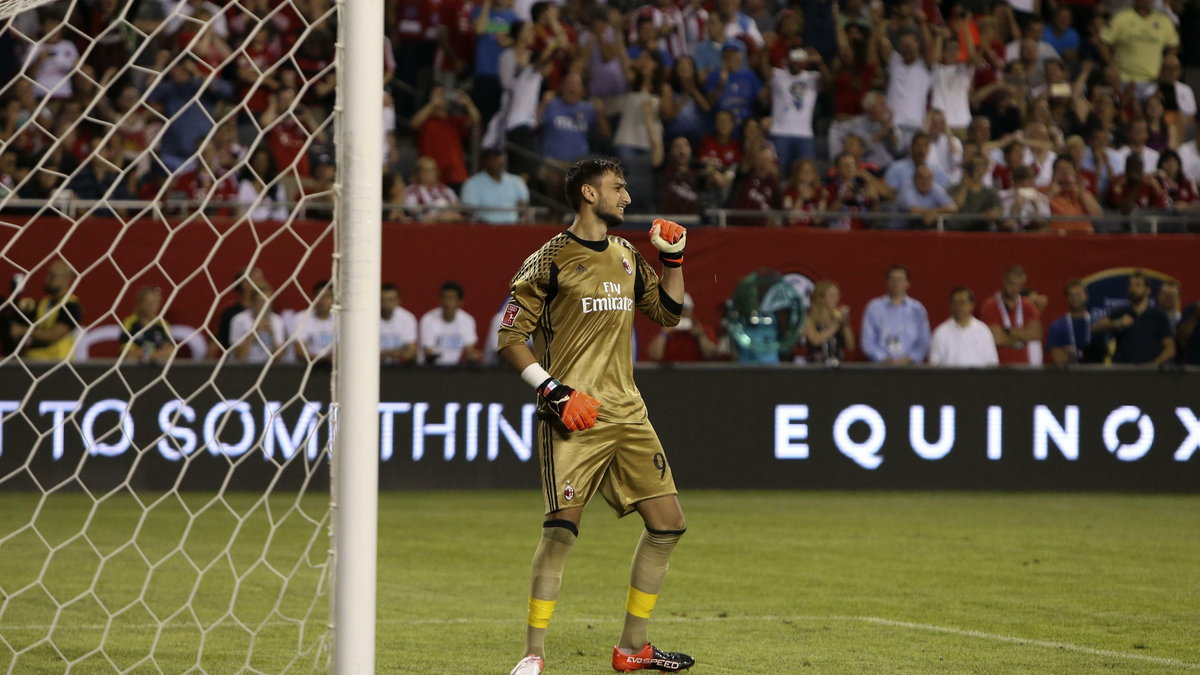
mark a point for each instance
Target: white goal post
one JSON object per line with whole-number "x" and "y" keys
{"x": 189, "y": 429}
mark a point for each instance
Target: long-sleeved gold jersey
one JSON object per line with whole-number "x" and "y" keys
{"x": 577, "y": 298}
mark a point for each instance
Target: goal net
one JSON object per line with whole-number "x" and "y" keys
{"x": 167, "y": 329}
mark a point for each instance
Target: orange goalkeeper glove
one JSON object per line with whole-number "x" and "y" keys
{"x": 668, "y": 237}
{"x": 575, "y": 409}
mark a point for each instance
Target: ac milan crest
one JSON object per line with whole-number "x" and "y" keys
{"x": 625, "y": 264}
{"x": 568, "y": 492}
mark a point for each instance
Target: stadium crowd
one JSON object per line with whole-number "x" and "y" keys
{"x": 1027, "y": 115}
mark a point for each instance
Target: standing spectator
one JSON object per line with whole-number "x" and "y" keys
{"x": 733, "y": 88}
{"x": 952, "y": 80}
{"x": 1142, "y": 331}
{"x": 666, "y": 26}
{"x": 52, "y": 60}
{"x": 146, "y": 333}
{"x": 1069, "y": 197}
{"x": 1135, "y": 40}
{"x": 1169, "y": 300}
{"x": 414, "y": 31}
{"x": 441, "y": 131}
{"x": 554, "y": 40}
{"x": 759, "y": 191}
{"x": 495, "y": 193}
{"x": 292, "y": 127}
{"x": 427, "y": 198}
{"x": 876, "y": 126}
{"x": 638, "y": 138}
{"x": 786, "y": 39}
{"x": 397, "y": 328}
{"x": 1031, "y": 34}
{"x": 644, "y": 39}
{"x": 962, "y": 340}
{"x": 856, "y": 70}
{"x": 895, "y": 328}
{"x": 696, "y": 21}
{"x": 491, "y": 20}
{"x": 901, "y": 172}
{"x": 448, "y": 335}
{"x": 804, "y": 193}
{"x": 684, "y": 182}
{"x": 925, "y": 198}
{"x": 909, "y": 77}
{"x": 821, "y": 26}
{"x": 739, "y": 26}
{"x": 56, "y": 319}
{"x": 1070, "y": 338}
{"x": 827, "y": 329}
{"x": 567, "y": 120}
{"x": 182, "y": 98}
{"x": 689, "y": 341}
{"x": 972, "y": 196}
{"x": 256, "y": 334}
{"x": 793, "y": 100}
{"x": 851, "y": 190}
{"x": 315, "y": 328}
{"x": 515, "y": 125}
{"x": 684, "y": 106}
{"x": 604, "y": 49}
{"x": 1062, "y": 36}
{"x": 708, "y": 51}
{"x": 1014, "y": 320}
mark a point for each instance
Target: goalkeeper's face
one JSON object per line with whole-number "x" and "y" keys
{"x": 611, "y": 200}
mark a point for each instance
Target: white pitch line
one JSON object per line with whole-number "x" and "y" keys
{"x": 948, "y": 630}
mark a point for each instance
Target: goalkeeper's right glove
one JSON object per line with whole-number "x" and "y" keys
{"x": 575, "y": 409}
{"x": 669, "y": 237}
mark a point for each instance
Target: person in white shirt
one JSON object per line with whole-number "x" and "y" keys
{"x": 397, "y": 328}
{"x": 315, "y": 329}
{"x": 52, "y": 60}
{"x": 909, "y": 78}
{"x": 962, "y": 340}
{"x": 257, "y": 333}
{"x": 952, "y": 80}
{"x": 793, "y": 99}
{"x": 945, "y": 150}
{"x": 448, "y": 335}
{"x": 1139, "y": 133}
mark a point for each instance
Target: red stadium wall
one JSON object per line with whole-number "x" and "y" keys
{"x": 418, "y": 258}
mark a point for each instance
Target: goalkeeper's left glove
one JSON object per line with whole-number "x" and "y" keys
{"x": 668, "y": 237}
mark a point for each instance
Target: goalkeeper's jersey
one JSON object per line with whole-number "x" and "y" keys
{"x": 577, "y": 298}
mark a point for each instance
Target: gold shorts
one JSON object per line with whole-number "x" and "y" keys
{"x": 624, "y": 462}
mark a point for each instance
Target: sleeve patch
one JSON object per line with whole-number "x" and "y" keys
{"x": 510, "y": 314}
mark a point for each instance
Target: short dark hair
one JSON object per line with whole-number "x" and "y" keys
{"x": 538, "y": 9}
{"x": 895, "y": 268}
{"x": 453, "y": 286}
{"x": 515, "y": 28}
{"x": 1137, "y": 274}
{"x": 319, "y": 286}
{"x": 962, "y": 289}
{"x": 1072, "y": 284}
{"x": 586, "y": 172}
{"x": 389, "y": 286}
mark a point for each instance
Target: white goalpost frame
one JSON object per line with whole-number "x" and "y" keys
{"x": 355, "y": 479}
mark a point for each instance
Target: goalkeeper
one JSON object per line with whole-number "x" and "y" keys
{"x": 576, "y": 296}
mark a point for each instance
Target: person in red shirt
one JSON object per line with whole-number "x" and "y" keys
{"x": 551, "y": 33}
{"x": 441, "y": 132}
{"x": 851, "y": 190}
{"x": 1135, "y": 190}
{"x": 1002, "y": 175}
{"x": 804, "y": 194}
{"x": 721, "y": 145}
{"x": 1180, "y": 190}
{"x": 688, "y": 341}
{"x": 759, "y": 190}
{"x": 1015, "y": 321}
{"x": 290, "y": 125}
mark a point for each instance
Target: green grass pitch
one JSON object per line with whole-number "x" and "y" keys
{"x": 764, "y": 582}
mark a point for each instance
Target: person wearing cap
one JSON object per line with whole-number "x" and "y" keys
{"x": 793, "y": 99}
{"x": 495, "y": 188}
{"x": 734, "y": 87}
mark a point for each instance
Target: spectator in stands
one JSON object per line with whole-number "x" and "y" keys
{"x": 55, "y": 320}
{"x": 567, "y": 120}
{"x": 685, "y": 108}
{"x": 397, "y": 328}
{"x": 1076, "y": 149}
{"x": 895, "y": 328}
{"x": 1010, "y": 158}
{"x": 1170, "y": 301}
{"x": 945, "y": 149}
{"x": 1062, "y": 36}
{"x": 1024, "y": 206}
{"x": 495, "y": 192}
{"x": 261, "y": 191}
{"x": 734, "y": 87}
{"x": 804, "y": 194}
{"x": 1015, "y": 321}
{"x": 257, "y": 332}
{"x": 856, "y": 72}
{"x": 759, "y": 191}
{"x": 666, "y": 29}
{"x": 428, "y": 199}
{"x": 962, "y": 340}
{"x": 1159, "y": 134}
{"x": 953, "y": 78}
{"x": 245, "y": 282}
{"x": 491, "y": 20}
{"x": 876, "y": 126}
{"x": 515, "y": 125}
{"x": 1142, "y": 331}
{"x": 787, "y": 38}
{"x": 851, "y": 190}
{"x": 923, "y": 197}
{"x": 708, "y": 51}
{"x": 188, "y": 104}
{"x": 106, "y": 175}
{"x": 448, "y": 336}
{"x": 1135, "y": 40}
{"x": 294, "y": 131}
{"x": 441, "y": 125}
{"x": 315, "y": 328}
{"x": 739, "y": 26}
{"x": 555, "y": 40}
{"x": 146, "y": 333}
{"x": 1179, "y": 190}
{"x": 1135, "y": 190}
{"x": 1031, "y": 33}
{"x": 972, "y": 196}
{"x": 1138, "y": 134}
{"x": 689, "y": 341}
{"x": 1096, "y": 160}
{"x": 1070, "y": 338}
{"x": 603, "y": 46}
{"x": 685, "y": 181}
{"x": 645, "y": 38}
{"x": 639, "y": 136}
{"x": 901, "y": 172}
{"x": 754, "y": 138}
{"x": 1178, "y": 98}
{"x": 1187, "y": 336}
{"x": 909, "y": 76}
{"x": 721, "y": 147}
{"x": 52, "y": 59}
{"x": 1069, "y": 197}
{"x": 1003, "y": 101}
{"x": 827, "y": 330}
{"x": 793, "y": 93}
